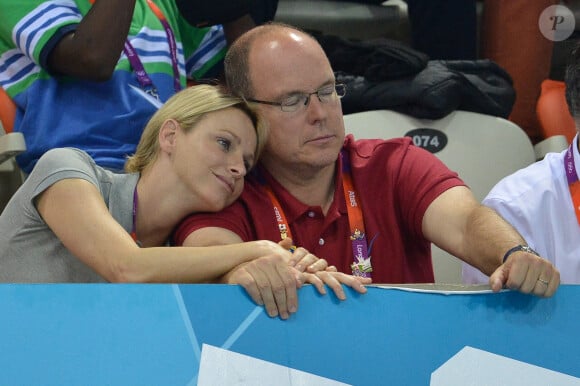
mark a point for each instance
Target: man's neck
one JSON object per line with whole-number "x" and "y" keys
{"x": 313, "y": 187}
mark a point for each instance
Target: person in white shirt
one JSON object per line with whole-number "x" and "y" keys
{"x": 542, "y": 201}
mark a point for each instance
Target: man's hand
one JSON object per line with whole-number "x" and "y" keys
{"x": 270, "y": 282}
{"x": 527, "y": 273}
{"x": 269, "y": 279}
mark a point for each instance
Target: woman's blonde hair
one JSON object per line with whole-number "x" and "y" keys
{"x": 188, "y": 107}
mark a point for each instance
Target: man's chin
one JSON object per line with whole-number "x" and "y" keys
{"x": 325, "y": 157}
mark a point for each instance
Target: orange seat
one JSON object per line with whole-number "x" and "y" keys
{"x": 552, "y": 111}
{"x": 7, "y": 111}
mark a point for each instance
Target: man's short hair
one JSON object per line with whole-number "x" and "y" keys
{"x": 572, "y": 80}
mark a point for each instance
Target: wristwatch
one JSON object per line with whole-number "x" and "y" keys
{"x": 517, "y": 248}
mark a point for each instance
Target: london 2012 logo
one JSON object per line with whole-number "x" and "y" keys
{"x": 557, "y": 23}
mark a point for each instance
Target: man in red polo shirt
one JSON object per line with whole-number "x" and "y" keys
{"x": 370, "y": 207}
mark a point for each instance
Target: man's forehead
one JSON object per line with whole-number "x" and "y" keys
{"x": 277, "y": 57}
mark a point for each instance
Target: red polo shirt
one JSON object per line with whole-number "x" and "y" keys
{"x": 395, "y": 182}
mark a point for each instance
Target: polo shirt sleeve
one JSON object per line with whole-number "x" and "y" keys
{"x": 422, "y": 177}
{"x": 233, "y": 218}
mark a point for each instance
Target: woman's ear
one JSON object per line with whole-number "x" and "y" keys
{"x": 168, "y": 135}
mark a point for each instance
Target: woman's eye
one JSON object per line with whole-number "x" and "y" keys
{"x": 225, "y": 143}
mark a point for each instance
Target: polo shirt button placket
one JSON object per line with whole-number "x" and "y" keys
{"x": 321, "y": 241}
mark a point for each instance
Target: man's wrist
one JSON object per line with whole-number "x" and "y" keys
{"x": 518, "y": 248}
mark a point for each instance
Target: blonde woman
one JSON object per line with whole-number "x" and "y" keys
{"x": 73, "y": 221}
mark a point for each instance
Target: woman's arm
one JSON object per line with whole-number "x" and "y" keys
{"x": 77, "y": 214}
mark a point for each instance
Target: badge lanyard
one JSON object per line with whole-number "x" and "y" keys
{"x": 572, "y": 177}
{"x": 142, "y": 77}
{"x": 361, "y": 265}
{"x": 134, "y": 225}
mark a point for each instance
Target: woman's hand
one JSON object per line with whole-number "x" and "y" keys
{"x": 335, "y": 280}
{"x": 303, "y": 260}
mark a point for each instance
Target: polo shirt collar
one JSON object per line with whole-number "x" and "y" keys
{"x": 293, "y": 208}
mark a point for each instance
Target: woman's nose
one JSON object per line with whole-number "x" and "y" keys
{"x": 238, "y": 169}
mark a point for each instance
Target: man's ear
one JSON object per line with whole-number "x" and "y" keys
{"x": 168, "y": 135}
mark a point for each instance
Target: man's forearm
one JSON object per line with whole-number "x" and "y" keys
{"x": 488, "y": 238}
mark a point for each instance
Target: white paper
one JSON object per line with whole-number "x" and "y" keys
{"x": 475, "y": 367}
{"x": 442, "y": 289}
{"x": 223, "y": 367}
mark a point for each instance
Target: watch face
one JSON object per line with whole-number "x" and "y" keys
{"x": 520, "y": 247}
{"x": 529, "y": 250}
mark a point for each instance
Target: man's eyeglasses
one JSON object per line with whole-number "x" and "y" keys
{"x": 298, "y": 101}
